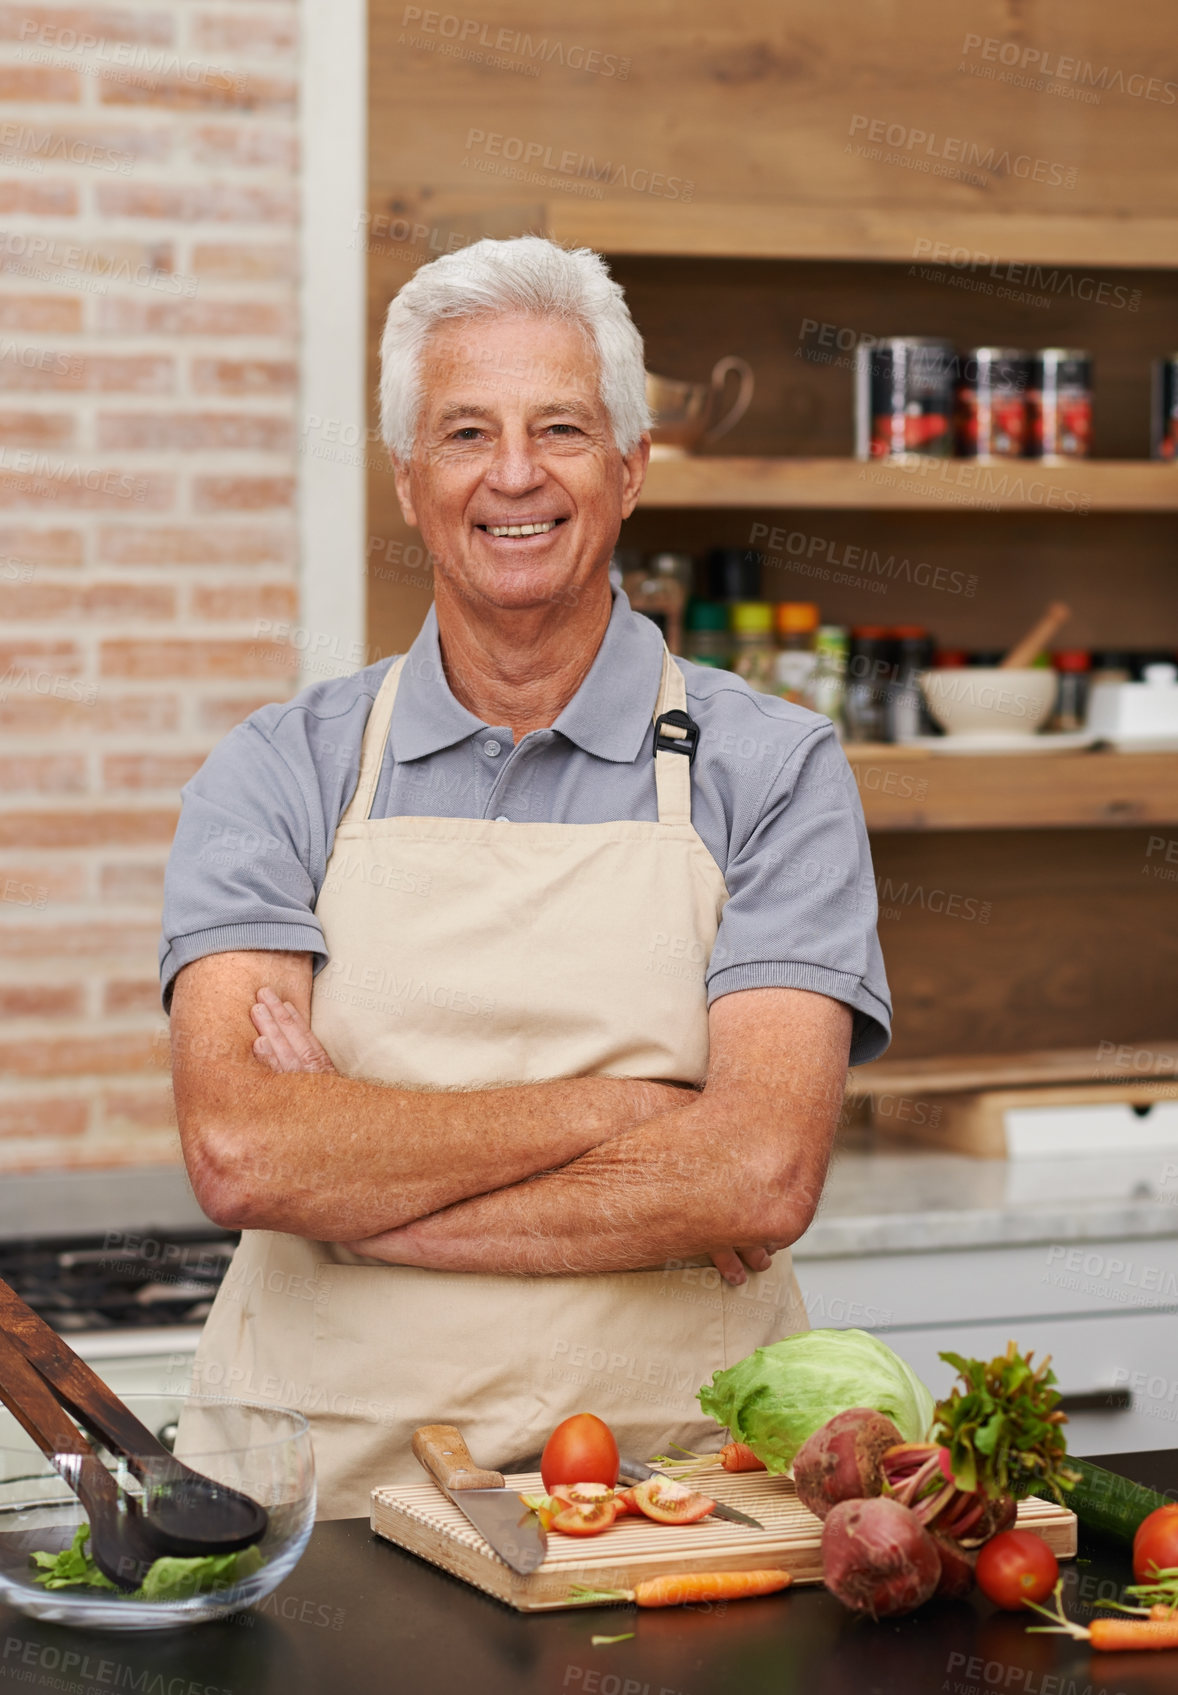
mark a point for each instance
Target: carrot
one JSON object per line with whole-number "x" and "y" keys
{"x": 708, "y": 1586}
{"x": 687, "y": 1587}
{"x": 1111, "y": 1634}
{"x": 735, "y": 1456}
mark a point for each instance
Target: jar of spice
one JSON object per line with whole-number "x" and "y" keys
{"x": 1071, "y": 699}
{"x": 797, "y": 630}
{"x": 753, "y": 653}
{"x": 706, "y": 639}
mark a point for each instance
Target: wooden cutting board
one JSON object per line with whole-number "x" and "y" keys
{"x": 420, "y": 1518}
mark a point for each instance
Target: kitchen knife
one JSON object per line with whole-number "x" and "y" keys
{"x": 635, "y": 1471}
{"x": 497, "y": 1513}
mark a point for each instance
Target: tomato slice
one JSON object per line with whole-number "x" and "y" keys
{"x": 582, "y": 1494}
{"x": 625, "y": 1503}
{"x": 667, "y": 1501}
{"x": 585, "y": 1521}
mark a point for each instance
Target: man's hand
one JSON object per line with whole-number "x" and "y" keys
{"x": 287, "y": 1043}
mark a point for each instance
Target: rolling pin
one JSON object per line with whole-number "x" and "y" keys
{"x": 1023, "y": 653}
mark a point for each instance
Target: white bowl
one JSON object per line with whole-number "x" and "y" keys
{"x": 972, "y": 700}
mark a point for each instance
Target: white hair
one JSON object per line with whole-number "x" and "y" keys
{"x": 530, "y": 276}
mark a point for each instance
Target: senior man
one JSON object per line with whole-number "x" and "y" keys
{"x": 513, "y": 981}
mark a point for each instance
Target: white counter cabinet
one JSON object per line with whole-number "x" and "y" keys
{"x": 1105, "y": 1310}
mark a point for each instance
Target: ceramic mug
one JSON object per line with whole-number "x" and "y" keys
{"x": 683, "y": 412}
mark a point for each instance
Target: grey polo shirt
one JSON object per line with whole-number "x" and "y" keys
{"x": 773, "y": 799}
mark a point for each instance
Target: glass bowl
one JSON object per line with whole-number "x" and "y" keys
{"x": 263, "y": 1451}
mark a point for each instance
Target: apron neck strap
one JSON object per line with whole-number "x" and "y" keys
{"x": 672, "y": 769}
{"x": 376, "y": 734}
{"x": 672, "y": 765}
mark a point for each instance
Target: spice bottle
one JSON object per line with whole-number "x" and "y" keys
{"x": 796, "y": 622}
{"x": 753, "y": 654}
{"x": 1071, "y": 698}
{"x": 828, "y": 686}
{"x": 869, "y": 675}
{"x": 706, "y": 639}
{"x": 907, "y": 714}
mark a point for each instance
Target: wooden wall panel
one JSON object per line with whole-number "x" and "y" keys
{"x": 770, "y": 102}
{"x": 1079, "y": 943}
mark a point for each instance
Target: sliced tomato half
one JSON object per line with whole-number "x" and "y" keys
{"x": 669, "y": 1502}
{"x": 585, "y": 1521}
{"x": 582, "y": 1494}
{"x": 626, "y": 1504}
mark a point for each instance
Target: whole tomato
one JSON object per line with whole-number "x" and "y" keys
{"x": 581, "y": 1450}
{"x": 1156, "y": 1543}
{"x": 1014, "y": 1567}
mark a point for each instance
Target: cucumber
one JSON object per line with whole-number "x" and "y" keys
{"x": 1106, "y": 1503}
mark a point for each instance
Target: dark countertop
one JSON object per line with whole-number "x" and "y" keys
{"x": 358, "y": 1615}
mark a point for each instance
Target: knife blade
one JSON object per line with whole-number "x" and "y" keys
{"x": 634, "y": 1471}
{"x": 496, "y": 1512}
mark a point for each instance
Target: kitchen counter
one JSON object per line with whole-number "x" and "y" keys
{"x": 358, "y": 1614}
{"x": 92, "y": 1203}
{"x": 903, "y": 1200}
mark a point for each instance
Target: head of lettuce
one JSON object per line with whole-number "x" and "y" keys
{"x": 780, "y": 1395}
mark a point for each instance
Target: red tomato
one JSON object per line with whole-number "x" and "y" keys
{"x": 1014, "y": 1567}
{"x": 581, "y": 1450}
{"x": 626, "y": 1504}
{"x": 670, "y": 1502}
{"x": 1156, "y": 1543}
{"x": 585, "y": 1521}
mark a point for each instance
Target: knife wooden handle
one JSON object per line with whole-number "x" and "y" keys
{"x": 443, "y": 1453}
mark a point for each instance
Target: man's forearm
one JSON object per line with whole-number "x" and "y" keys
{"x": 334, "y": 1158}
{"x": 680, "y": 1186}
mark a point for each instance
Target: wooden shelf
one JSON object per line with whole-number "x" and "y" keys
{"x": 794, "y": 230}
{"x": 912, "y": 789}
{"x": 919, "y": 484}
{"x": 1047, "y": 1068}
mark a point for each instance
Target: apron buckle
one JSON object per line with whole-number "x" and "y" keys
{"x": 685, "y": 743}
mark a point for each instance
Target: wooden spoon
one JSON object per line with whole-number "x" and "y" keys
{"x": 183, "y": 1512}
{"x": 1024, "y": 653}
{"x": 118, "y": 1546}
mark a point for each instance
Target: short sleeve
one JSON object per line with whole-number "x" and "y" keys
{"x": 241, "y": 874}
{"x": 802, "y": 906}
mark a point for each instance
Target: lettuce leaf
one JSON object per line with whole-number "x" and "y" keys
{"x": 166, "y": 1579}
{"x": 782, "y": 1394}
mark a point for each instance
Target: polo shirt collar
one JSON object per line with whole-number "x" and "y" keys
{"x": 608, "y": 716}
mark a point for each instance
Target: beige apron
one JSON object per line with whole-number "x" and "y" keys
{"x": 471, "y": 953}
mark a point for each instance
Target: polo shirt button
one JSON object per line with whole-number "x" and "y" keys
{"x": 492, "y": 749}
{"x": 503, "y": 819}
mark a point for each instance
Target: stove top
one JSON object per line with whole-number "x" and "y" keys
{"x": 120, "y": 1280}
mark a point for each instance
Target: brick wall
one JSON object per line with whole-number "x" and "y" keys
{"x": 148, "y": 462}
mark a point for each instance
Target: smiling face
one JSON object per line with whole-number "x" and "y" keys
{"x": 516, "y": 482}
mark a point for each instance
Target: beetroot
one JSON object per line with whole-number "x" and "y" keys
{"x": 957, "y": 1577}
{"x": 841, "y": 1462}
{"x": 878, "y": 1558}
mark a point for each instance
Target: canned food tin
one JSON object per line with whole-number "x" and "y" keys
{"x": 1060, "y": 403}
{"x": 1164, "y": 427}
{"x": 904, "y": 397}
{"x": 992, "y": 418}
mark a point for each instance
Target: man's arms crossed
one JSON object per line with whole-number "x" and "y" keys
{"x": 743, "y": 1162}
{"x": 584, "y": 1174}
{"x": 335, "y": 1158}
